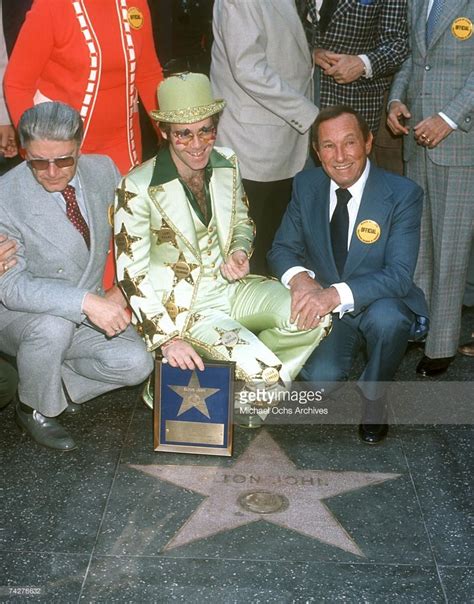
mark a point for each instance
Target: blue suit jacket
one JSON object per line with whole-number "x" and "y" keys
{"x": 383, "y": 269}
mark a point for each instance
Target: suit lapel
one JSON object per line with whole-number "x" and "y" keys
{"x": 373, "y": 207}
{"x": 53, "y": 224}
{"x": 223, "y": 198}
{"x": 171, "y": 202}
{"x": 451, "y": 10}
{"x": 419, "y": 24}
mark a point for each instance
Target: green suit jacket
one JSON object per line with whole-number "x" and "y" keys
{"x": 159, "y": 265}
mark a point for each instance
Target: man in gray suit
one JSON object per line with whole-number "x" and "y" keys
{"x": 432, "y": 104}
{"x": 72, "y": 341}
{"x": 262, "y": 67}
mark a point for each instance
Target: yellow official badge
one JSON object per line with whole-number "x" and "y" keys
{"x": 110, "y": 214}
{"x": 368, "y": 231}
{"x": 135, "y": 17}
{"x": 462, "y": 28}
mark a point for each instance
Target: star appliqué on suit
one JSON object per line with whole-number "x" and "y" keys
{"x": 131, "y": 286}
{"x": 150, "y": 327}
{"x": 124, "y": 242}
{"x": 229, "y": 339}
{"x": 182, "y": 270}
{"x": 123, "y": 197}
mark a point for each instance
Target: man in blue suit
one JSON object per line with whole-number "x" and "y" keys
{"x": 348, "y": 245}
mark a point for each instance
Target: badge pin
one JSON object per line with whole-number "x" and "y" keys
{"x": 368, "y": 231}
{"x": 462, "y": 28}
{"x": 135, "y": 17}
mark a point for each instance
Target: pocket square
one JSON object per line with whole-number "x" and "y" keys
{"x": 367, "y": 2}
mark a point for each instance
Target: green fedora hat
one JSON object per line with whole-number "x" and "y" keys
{"x": 186, "y": 98}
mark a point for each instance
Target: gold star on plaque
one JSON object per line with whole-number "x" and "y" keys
{"x": 172, "y": 308}
{"x": 123, "y": 197}
{"x": 130, "y": 286}
{"x": 194, "y": 395}
{"x": 182, "y": 270}
{"x": 270, "y": 374}
{"x": 150, "y": 327}
{"x": 124, "y": 241}
{"x": 165, "y": 234}
{"x": 229, "y": 339}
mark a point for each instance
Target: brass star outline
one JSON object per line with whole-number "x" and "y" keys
{"x": 124, "y": 241}
{"x": 149, "y": 327}
{"x": 123, "y": 197}
{"x": 130, "y": 286}
{"x": 194, "y": 396}
{"x": 235, "y": 340}
{"x": 182, "y": 270}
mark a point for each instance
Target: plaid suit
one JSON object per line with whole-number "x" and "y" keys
{"x": 376, "y": 28}
{"x": 437, "y": 78}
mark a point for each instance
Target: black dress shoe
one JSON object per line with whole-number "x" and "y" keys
{"x": 372, "y": 434}
{"x": 46, "y": 431}
{"x": 430, "y": 367}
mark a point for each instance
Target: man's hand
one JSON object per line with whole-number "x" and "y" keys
{"x": 344, "y": 69}
{"x": 7, "y": 254}
{"x": 8, "y": 146}
{"x": 397, "y": 112}
{"x": 115, "y": 295}
{"x": 320, "y": 58}
{"x": 180, "y": 354}
{"x": 236, "y": 266}
{"x": 106, "y": 314}
{"x": 309, "y": 301}
{"x": 431, "y": 131}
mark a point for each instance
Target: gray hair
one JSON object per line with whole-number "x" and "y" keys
{"x": 50, "y": 121}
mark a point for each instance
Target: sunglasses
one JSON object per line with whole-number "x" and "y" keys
{"x": 59, "y": 162}
{"x": 205, "y": 134}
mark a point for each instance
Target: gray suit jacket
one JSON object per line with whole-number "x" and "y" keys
{"x": 440, "y": 78}
{"x": 54, "y": 270}
{"x": 262, "y": 67}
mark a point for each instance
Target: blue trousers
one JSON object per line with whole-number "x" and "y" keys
{"x": 382, "y": 329}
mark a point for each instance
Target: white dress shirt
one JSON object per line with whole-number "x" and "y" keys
{"x": 353, "y": 205}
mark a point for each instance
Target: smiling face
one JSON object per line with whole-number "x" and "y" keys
{"x": 53, "y": 179}
{"x": 191, "y": 155}
{"x": 342, "y": 149}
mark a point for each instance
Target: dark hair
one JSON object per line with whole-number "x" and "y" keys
{"x": 166, "y": 127}
{"x": 330, "y": 113}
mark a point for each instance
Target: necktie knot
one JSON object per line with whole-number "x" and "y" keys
{"x": 343, "y": 196}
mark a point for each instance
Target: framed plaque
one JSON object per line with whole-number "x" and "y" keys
{"x": 193, "y": 410}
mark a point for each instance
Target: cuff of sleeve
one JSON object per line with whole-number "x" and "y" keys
{"x": 368, "y": 66}
{"x": 448, "y": 120}
{"x": 291, "y": 272}
{"x": 347, "y": 299}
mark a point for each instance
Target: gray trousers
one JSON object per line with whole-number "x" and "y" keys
{"x": 446, "y": 239}
{"x": 52, "y": 351}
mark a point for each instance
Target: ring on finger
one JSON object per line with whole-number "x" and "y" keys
{"x": 5, "y": 267}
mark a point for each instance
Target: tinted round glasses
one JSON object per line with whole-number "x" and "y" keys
{"x": 205, "y": 135}
{"x": 59, "y": 162}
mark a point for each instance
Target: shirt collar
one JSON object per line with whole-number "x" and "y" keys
{"x": 165, "y": 168}
{"x": 357, "y": 188}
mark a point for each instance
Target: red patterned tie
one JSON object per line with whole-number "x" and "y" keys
{"x": 74, "y": 214}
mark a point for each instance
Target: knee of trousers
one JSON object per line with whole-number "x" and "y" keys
{"x": 132, "y": 368}
{"x": 387, "y": 318}
{"x": 321, "y": 371}
{"x": 47, "y": 337}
